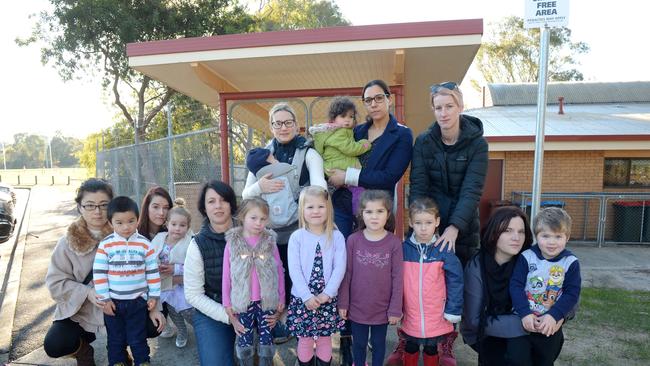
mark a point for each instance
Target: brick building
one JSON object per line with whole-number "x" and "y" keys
{"x": 600, "y": 143}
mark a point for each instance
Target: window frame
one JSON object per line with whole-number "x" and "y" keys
{"x": 628, "y": 163}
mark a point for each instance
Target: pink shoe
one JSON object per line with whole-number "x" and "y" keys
{"x": 446, "y": 348}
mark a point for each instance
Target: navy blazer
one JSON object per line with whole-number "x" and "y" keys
{"x": 390, "y": 155}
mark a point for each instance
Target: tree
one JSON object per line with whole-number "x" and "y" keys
{"x": 64, "y": 150}
{"x": 90, "y": 36}
{"x": 27, "y": 151}
{"x": 511, "y": 53}
{"x": 298, "y": 14}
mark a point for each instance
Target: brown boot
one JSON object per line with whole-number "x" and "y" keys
{"x": 85, "y": 355}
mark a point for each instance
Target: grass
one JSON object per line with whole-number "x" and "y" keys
{"x": 612, "y": 327}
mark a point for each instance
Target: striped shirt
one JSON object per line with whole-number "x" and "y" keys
{"x": 126, "y": 268}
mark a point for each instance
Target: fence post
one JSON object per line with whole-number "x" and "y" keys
{"x": 52, "y": 180}
{"x": 68, "y": 180}
{"x": 36, "y": 180}
{"x": 18, "y": 179}
{"x": 170, "y": 133}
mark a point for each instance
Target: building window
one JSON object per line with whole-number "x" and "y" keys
{"x": 629, "y": 173}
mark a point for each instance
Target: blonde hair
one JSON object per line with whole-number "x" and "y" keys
{"x": 249, "y": 204}
{"x": 554, "y": 219}
{"x": 317, "y": 191}
{"x": 179, "y": 209}
{"x": 282, "y": 107}
{"x": 455, "y": 94}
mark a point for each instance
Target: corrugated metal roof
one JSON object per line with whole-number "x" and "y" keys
{"x": 579, "y": 119}
{"x": 573, "y": 93}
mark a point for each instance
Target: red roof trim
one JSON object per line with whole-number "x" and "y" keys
{"x": 320, "y": 35}
{"x": 571, "y": 138}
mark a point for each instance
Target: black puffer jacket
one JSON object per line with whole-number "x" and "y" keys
{"x": 454, "y": 177}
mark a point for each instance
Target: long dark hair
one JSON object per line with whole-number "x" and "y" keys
{"x": 143, "y": 222}
{"x": 498, "y": 224}
{"x": 380, "y": 83}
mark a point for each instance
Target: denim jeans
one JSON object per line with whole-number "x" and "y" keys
{"x": 215, "y": 341}
{"x": 127, "y": 327}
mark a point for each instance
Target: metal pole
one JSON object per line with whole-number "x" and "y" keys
{"x": 49, "y": 144}
{"x": 223, "y": 137}
{"x": 541, "y": 118}
{"x": 137, "y": 162}
{"x": 4, "y": 156}
{"x": 170, "y": 155}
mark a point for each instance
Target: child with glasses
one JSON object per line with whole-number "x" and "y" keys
{"x": 335, "y": 142}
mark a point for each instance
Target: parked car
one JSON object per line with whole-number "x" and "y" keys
{"x": 7, "y": 219}
{"x": 8, "y": 188}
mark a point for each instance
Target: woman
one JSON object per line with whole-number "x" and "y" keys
{"x": 153, "y": 216}
{"x": 488, "y": 318}
{"x": 381, "y": 167}
{"x": 287, "y": 146}
{"x": 449, "y": 165}
{"x": 386, "y": 161}
{"x": 203, "y": 273}
{"x": 78, "y": 315}
{"x": 153, "y": 212}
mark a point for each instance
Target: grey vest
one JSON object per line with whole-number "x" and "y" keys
{"x": 242, "y": 259}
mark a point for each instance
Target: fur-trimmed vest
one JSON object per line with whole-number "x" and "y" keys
{"x": 242, "y": 259}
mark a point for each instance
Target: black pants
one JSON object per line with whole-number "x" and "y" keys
{"x": 64, "y": 338}
{"x": 492, "y": 351}
{"x": 152, "y": 329}
{"x": 534, "y": 349}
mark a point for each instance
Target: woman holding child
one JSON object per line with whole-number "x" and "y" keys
{"x": 287, "y": 147}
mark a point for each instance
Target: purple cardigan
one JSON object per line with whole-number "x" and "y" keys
{"x": 300, "y": 258}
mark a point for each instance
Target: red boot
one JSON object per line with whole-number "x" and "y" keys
{"x": 395, "y": 358}
{"x": 411, "y": 359}
{"x": 431, "y": 360}
{"x": 445, "y": 350}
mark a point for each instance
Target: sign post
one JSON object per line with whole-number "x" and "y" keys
{"x": 542, "y": 14}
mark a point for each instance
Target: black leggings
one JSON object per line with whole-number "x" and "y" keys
{"x": 64, "y": 338}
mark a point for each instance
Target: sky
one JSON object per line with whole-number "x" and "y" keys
{"x": 35, "y": 100}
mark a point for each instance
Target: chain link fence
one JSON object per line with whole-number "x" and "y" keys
{"x": 599, "y": 217}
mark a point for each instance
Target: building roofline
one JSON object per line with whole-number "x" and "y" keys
{"x": 565, "y": 138}
{"x": 307, "y": 36}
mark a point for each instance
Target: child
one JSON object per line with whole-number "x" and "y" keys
{"x": 433, "y": 286}
{"x": 335, "y": 142}
{"x": 316, "y": 267}
{"x": 282, "y": 204}
{"x": 371, "y": 293}
{"x": 126, "y": 280}
{"x": 545, "y": 287}
{"x": 172, "y": 247}
{"x": 252, "y": 284}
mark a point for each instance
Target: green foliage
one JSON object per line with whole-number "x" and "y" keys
{"x": 32, "y": 151}
{"x": 511, "y": 53}
{"x": 298, "y": 14}
{"x": 81, "y": 37}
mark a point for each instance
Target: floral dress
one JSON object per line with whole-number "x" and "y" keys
{"x": 321, "y": 322}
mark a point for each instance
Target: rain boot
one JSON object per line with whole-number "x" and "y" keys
{"x": 446, "y": 349}
{"x": 320, "y": 362}
{"x": 411, "y": 359}
{"x": 308, "y": 363}
{"x": 431, "y": 360}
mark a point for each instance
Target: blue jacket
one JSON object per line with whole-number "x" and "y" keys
{"x": 390, "y": 155}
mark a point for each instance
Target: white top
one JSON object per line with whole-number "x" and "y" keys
{"x": 194, "y": 281}
{"x": 314, "y": 163}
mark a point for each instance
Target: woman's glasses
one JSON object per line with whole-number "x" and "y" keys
{"x": 278, "y": 124}
{"x": 446, "y": 85}
{"x": 91, "y": 207}
{"x": 379, "y": 98}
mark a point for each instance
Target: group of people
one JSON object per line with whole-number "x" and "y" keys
{"x": 291, "y": 260}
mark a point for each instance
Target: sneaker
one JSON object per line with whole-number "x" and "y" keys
{"x": 181, "y": 340}
{"x": 168, "y": 332}
{"x": 280, "y": 334}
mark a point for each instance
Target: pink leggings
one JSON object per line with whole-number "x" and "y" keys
{"x": 305, "y": 349}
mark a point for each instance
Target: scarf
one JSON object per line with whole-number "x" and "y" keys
{"x": 497, "y": 282}
{"x": 284, "y": 152}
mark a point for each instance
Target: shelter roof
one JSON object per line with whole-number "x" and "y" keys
{"x": 415, "y": 55}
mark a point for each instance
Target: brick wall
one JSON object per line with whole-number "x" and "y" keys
{"x": 564, "y": 171}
